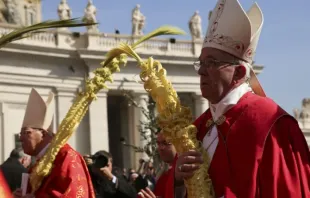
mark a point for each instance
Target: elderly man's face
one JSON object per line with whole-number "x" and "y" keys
{"x": 30, "y": 139}
{"x": 218, "y": 73}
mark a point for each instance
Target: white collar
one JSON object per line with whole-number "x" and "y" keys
{"x": 229, "y": 100}
{"x": 42, "y": 152}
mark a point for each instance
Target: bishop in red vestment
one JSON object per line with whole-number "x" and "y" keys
{"x": 256, "y": 148}
{"x": 69, "y": 176}
{"x": 5, "y": 191}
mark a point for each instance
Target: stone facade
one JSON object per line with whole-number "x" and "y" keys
{"x": 302, "y": 115}
{"x": 20, "y": 12}
{"x": 58, "y": 61}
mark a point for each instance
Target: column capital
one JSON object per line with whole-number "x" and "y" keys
{"x": 199, "y": 97}
{"x": 197, "y": 94}
{"x": 102, "y": 93}
{"x": 140, "y": 92}
{"x": 66, "y": 91}
{"x": 140, "y": 95}
{"x": 143, "y": 96}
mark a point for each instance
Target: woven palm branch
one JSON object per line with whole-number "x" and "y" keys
{"x": 114, "y": 59}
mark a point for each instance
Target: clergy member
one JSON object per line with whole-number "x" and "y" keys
{"x": 165, "y": 183}
{"x": 256, "y": 148}
{"x": 69, "y": 176}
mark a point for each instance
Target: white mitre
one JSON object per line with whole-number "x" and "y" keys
{"x": 236, "y": 32}
{"x": 39, "y": 114}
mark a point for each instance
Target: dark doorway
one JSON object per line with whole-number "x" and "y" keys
{"x": 118, "y": 128}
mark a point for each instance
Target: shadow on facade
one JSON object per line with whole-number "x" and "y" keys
{"x": 118, "y": 128}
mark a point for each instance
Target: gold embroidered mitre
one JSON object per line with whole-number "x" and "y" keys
{"x": 39, "y": 114}
{"x": 236, "y": 32}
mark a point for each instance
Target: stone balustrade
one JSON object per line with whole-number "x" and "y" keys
{"x": 46, "y": 39}
{"x": 157, "y": 46}
{"x": 105, "y": 42}
{"x": 65, "y": 39}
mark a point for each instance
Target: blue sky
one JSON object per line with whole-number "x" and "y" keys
{"x": 284, "y": 47}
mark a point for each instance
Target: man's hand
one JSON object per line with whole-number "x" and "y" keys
{"x": 88, "y": 160}
{"x": 186, "y": 164}
{"x": 106, "y": 172}
{"x": 147, "y": 193}
{"x": 18, "y": 193}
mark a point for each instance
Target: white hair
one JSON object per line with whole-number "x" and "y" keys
{"x": 247, "y": 65}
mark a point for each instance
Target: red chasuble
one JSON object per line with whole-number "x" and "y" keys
{"x": 5, "y": 191}
{"x": 69, "y": 177}
{"x": 261, "y": 152}
{"x": 165, "y": 183}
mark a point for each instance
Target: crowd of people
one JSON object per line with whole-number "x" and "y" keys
{"x": 108, "y": 181}
{"x": 254, "y": 148}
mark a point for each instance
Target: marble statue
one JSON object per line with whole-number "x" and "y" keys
{"x": 90, "y": 17}
{"x": 195, "y": 26}
{"x": 64, "y": 11}
{"x": 13, "y": 14}
{"x": 296, "y": 113}
{"x": 3, "y": 9}
{"x": 138, "y": 21}
{"x": 305, "y": 111}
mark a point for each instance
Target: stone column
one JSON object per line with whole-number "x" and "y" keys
{"x": 201, "y": 105}
{"x": 137, "y": 116}
{"x": 2, "y": 159}
{"x": 98, "y": 123}
{"x": 143, "y": 100}
{"x": 80, "y": 138}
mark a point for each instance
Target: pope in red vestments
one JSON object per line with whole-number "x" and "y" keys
{"x": 5, "y": 191}
{"x": 69, "y": 176}
{"x": 256, "y": 149}
{"x": 261, "y": 151}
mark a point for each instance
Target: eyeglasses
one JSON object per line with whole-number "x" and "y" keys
{"x": 29, "y": 131}
{"x": 212, "y": 63}
{"x": 163, "y": 143}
